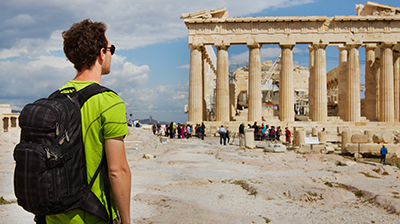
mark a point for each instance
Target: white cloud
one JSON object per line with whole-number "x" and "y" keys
{"x": 184, "y": 66}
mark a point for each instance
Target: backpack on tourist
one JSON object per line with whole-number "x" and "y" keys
{"x": 50, "y": 172}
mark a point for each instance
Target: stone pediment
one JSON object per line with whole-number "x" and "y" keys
{"x": 203, "y": 14}
{"x": 376, "y": 9}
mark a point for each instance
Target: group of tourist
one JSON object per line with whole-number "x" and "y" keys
{"x": 264, "y": 132}
{"x": 184, "y": 131}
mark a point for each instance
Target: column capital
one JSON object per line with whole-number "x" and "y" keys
{"x": 310, "y": 48}
{"x": 222, "y": 46}
{"x": 254, "y": 45}
{"x": 370, "y": 47}
{"x": 286, "y": 46}
{"x": 386, "y": 44}
{"x": 350, "y": 46}
{"x": 342, "y": 48}
{"x": 319, "y": 46}
{"x": 195, "y": 46}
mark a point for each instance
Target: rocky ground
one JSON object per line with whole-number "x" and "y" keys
{"x": 195, "y": 181}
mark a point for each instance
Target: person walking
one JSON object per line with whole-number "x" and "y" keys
{"x": 241, "y": 135}
{"x": 222, "y": 135}
{"x": 383, "y": 154}
{"x": 103, "y": 123}
{"x": 203, "y": 130}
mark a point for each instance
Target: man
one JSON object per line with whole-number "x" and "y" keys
{"x": 222, "y": 135}
{"x": 383, "y": 154}
{"x": 241, "y": 135}
{"x": 130, "y": 120}
{"x": 103, "y": 121}
{"x": 203, "y": 130}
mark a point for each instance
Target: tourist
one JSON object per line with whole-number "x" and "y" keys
{"x": 203, "y": 130}
{"x": 158, "y": 128}
{"x": 241, "y": 135}
{"x": 222, "y": 135}
{"x": 188, "y": 131}
{"x": 256, "y": 131}
{"x": 288, "y": 135}
{"x": 154, "y": 127}
{"x": 383, "y": 154}
{"x": 166, "y": 130}
{"x": 138, "y": 124}
{"x": 88, "y": 48}
{"x": 272, "y": 134}
{"x": 129, "y": 120}
{"x": 227, "y": 133}
{"x": 278, "y": 133}
{"x": 178, "y": 130}
{"x": 172, "y": 130}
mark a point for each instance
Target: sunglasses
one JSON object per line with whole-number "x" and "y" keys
{"x": 112, "y": 49}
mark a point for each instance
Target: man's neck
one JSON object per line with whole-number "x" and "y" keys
{"x": 92, "y": 74}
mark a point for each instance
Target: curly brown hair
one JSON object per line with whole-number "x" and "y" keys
{"x": 83, "y": 42}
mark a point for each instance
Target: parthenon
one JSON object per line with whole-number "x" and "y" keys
{"x": 375, "y": 27}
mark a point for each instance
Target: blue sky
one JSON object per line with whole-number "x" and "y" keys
{"x": 150, "y": 68}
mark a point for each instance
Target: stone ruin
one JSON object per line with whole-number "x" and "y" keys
{"x": 333, "y": 100}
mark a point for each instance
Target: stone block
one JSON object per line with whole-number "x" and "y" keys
{"x": 322, "y": 137}
{"x": 346, "y": 138}
{"x": 359, "y": 138}
{"x": 343, "y": 128}
{"x": 249, "y": 138}
{"x": 382, "y": 138}
{"x": 299, "y": 137}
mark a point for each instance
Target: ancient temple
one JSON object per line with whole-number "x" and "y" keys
{"x": 376, "y": 27}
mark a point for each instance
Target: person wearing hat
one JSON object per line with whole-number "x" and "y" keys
{"x": 383, "y": 154}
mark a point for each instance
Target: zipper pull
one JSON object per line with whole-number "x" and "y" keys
{"x": 72, "y": 100}
{"x": 66, "y": 135}
{"x": 61, "y": 141}
{"x": 48, "y": 155}
{"x": 57, "y": 129}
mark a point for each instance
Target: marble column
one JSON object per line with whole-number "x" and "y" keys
{"x": 286, "y": 86}
{"x": 353, "y": 109}
{"x": 370, "y": 85}
{"x": 386, "y": 84}
{"x": 320, "y": 112}
{"x": 255, "y": 109}
{"x": 311, "y": 82}
{"x": 195, "y": 84}
{"x": 377, "y": 68}
{"x": 396, "y": 74}
{"x": 205, "y": 71}
{"x": 222, "y": 95}
{"x": 342, "y": 81}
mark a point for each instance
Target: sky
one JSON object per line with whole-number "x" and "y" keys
{"x": 150, "y": 68}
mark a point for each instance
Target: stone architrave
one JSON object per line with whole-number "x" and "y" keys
{"x": 370, "y": 85}
{"x": 286, "y": 87}
{"x": 222, "y": 90}
{"x": 342, "y": 81}
{"x": 255, "y": 109}
{"x": 311, "y": 82}
{"x": 195, "y": 84}
{"x": 320, "y": 112}
{"x": 353, "y": 109}
{"x": 386, "y": 84}
{"x": 396, "y": 74}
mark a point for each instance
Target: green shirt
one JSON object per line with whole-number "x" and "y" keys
{"x": 103, "y": 117}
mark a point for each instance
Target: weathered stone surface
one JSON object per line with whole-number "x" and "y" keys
{"x": 275, "y": 148}
{"x": 359, "y": 138}
{"x": 382, "y": 138}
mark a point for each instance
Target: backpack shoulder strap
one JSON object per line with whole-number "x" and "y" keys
{"x": 84, "y": 94}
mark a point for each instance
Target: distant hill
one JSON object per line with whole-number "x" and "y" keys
{"x": 147, "y": 121}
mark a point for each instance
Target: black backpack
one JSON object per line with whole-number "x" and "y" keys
{"x": 50, "y": 172}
